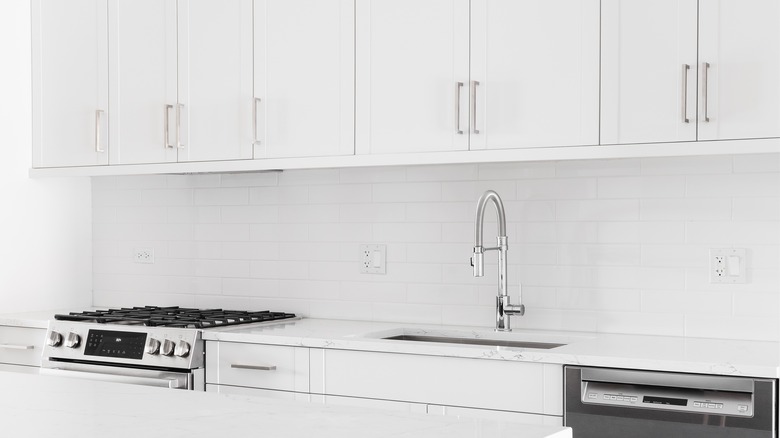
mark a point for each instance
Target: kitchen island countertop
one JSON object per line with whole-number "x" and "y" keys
{"x": 39, "y": 405}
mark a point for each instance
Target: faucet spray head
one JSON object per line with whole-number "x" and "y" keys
{"x": 478, "y": 261}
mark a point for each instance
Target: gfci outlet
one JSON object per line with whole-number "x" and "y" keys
{"x": 373, "y": 259}
{"x": 727, "y": 265}
{"x": 143, "y": 255}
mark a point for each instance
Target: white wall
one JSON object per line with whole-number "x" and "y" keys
{"x": 45, "y": 224}
{"x": 603, "y": 245}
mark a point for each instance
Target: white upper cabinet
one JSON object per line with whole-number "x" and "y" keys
{"x": 648, "y": 71}
{"x": 215, "y": 80}
{"x": 142, "y": 35}
{"x": 181, "y": 80}
{"x": 70, "y": 83}
{"x": 662, "y": 81}
{"x": 412, "y": 76}
{"x": 304, "y": 80}
{"x": 534, "y": 73}
{"x": 739, "y": 62}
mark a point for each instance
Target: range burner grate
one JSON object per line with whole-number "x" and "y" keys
{"x": 174, "y": 316}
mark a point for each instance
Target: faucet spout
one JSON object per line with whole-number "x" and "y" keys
{"x": 503, "y": 308}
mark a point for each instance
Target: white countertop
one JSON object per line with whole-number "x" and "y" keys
{"x": 691, "y": 355}
{"x": 662, "y": 353}
{"x": 37, "y": 405}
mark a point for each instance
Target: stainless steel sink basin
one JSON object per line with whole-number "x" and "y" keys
{"x": 475, "y": 341}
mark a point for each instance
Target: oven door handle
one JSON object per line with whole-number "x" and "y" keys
{"x": 162, "y": 382}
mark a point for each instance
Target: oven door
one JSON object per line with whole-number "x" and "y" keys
{"x": 173, "y": 379}
{"x": 589, "y": 417}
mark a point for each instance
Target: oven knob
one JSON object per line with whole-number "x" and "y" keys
{"x": 153, "y": 346}
{"x": 73, "y": 340}
{"x": 182, "y": 349}
{"x": 167, "y": 347}
{"x": 54, "y": 339}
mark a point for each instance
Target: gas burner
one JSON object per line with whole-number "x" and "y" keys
{"x": 174, "y": 316}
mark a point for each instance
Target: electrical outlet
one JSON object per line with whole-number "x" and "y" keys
{"x": 143, "y": 255}
{"x": 727, "y": 265}
{"x": 373, "y": 259}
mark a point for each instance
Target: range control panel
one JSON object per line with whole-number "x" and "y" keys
{"x": 671, "y": 399}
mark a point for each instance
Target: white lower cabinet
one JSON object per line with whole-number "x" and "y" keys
{"x": 21, "y": 347}
{"x": 529, "y": 393}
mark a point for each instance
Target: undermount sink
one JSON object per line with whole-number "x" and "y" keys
{"x": 475, "y": 341}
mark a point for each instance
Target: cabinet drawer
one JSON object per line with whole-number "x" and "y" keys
{"x": 21, "y": 345}
{"x": 257, "y": 366}
{"x": 457, "y": 382}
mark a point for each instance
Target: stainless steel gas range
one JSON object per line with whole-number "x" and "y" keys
{"x": 153, "y": 346}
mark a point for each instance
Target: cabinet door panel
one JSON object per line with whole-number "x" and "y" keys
{"x": 142, "y": 39}
{"x": 740, "y": 40}
{"x": 304, "y": 77}
{"x": 537, "y": 65}
{"x": 215, "y": 79}
{"x": 70, "y": 83}
{"x": 645, "y": 45}
{"x": 411, "y": 55}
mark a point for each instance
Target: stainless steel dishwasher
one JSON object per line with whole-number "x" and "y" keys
{"x": 612, "y": 403}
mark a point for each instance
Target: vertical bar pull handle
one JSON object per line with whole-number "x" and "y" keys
{"x": 458, "y": 87}
{"x": 179, "y": 108}
{"x": 255, "y": 140}
{"x": 704, "y": 92}
{"x": 474, "y": 85}
{"x": 685, "y": 69}
{"x": 98, "y": 118}
{"x": 166, "y": 129}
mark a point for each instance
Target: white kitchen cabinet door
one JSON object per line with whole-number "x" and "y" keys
{"x": 214, "y": 80}
{"x": 142, "y": 40}
{"x": 739, "y": 62}
{"x": 304, "y": 78}
{"x": 535, "y": 73}
{"x": 70, "y": 83}
{"x": 648, "y": 71}
{"x": 412, "y": 76}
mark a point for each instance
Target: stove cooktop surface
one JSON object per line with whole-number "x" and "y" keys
{"x": 174, "y": 316}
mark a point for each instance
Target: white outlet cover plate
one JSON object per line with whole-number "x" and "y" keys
{"x": 728, "y": 265}
{"x": 373, "y": 259}
{"x": 143, "y": 255}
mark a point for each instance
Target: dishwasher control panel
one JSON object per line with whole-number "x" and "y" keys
{"x": 738, "y": 404}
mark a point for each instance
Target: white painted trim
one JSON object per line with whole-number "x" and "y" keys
{"x": 643, "y": 150}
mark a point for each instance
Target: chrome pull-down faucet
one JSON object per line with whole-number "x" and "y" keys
{"x": 503, "y": 308}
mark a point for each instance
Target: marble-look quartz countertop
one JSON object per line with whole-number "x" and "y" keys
{"x": 677, "y": 354}
{"x": 38, "y": 406}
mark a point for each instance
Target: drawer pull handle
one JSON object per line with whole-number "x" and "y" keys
{"x": 17, "y": 347}
{"x": 254, "y": 367}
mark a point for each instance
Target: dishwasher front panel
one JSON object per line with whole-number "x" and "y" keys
{"x": 651, "y": 408}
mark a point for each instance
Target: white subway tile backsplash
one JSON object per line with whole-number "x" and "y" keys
{"x": 642, "y": 187}
{"x": 454, "y": 172}
{"x": 598, "y": 245}
{"x": 226, "y": 196}
{"x": 409, "y": 192}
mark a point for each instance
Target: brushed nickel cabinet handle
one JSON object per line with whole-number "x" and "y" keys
{"x": 704, "y": 92}
{"x": 16, "y": 347}
{"x": 458, "y": 87}
{"x": 166, "y": 132}
{"x": 255, "y": 140}
{"x": 98, "y": 117}
{"x": 474, "y": 85}
{"x": 179, "y": 108}
{"x": 685, "y": 69}
{"x": 254, "y": 367}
